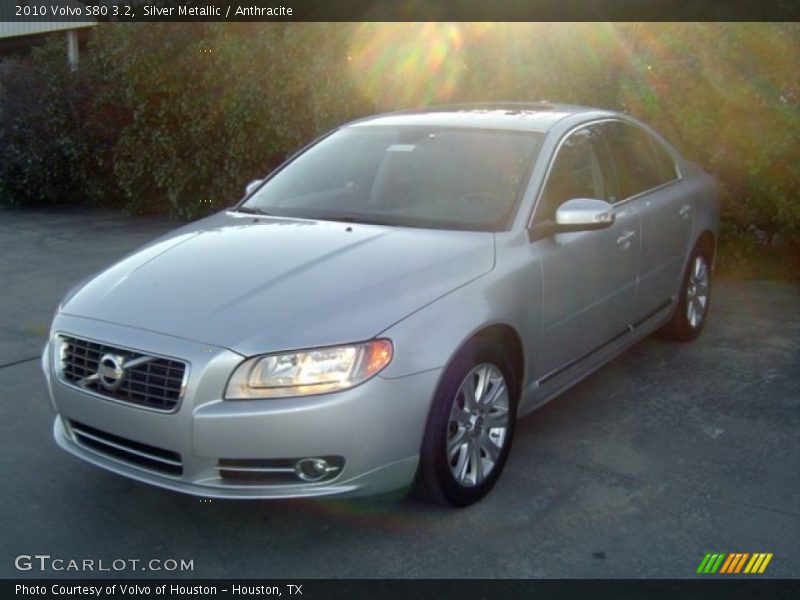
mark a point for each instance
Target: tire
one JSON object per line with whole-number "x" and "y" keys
{"x": 462, "y": 454}
{"x": 691, "y": 312}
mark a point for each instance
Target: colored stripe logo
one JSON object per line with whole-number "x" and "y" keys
{"x": 735, "y": 562}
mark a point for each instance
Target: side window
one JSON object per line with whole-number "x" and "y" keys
{"x": 634, "y": 155}
{"x": 667, "y": 169}
{"x": 577, "y": 172}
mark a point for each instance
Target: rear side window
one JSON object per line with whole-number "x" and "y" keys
{"x": 640, "y": 166}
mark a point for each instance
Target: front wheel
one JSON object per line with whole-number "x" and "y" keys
{"x": 690, "y": 314}
{"x": 470, "y": 427}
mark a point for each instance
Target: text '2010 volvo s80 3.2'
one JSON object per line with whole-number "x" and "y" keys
{"x": 379, "y": 310}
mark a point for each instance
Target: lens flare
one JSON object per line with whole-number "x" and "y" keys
{"x": 395, "y": 65}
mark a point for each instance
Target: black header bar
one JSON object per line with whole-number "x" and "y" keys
{"x": 397, "y": 10}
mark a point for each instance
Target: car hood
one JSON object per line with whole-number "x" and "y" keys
{"x": 264, "y": 284}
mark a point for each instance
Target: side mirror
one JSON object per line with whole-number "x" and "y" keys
{"x": 250, "y": 187}
{"x": 583, "y": 214}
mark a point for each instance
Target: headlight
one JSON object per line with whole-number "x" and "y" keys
{"x": 316, "y": 371}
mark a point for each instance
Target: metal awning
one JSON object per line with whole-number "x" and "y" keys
{"x": 17, "y": 29}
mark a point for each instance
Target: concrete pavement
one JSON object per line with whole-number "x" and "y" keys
{"x": 667, "y": 453}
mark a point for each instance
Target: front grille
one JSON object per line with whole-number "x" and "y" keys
{"x": 156, "y": 383}
{"x": 135, "y": 453}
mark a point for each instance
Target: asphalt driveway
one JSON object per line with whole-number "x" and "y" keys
{"x": 669, "y": 452}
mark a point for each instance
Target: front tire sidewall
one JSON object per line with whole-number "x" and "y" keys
{"x": 434, "y": 476}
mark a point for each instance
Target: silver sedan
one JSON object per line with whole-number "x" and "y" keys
{"x": 380, "y": 310}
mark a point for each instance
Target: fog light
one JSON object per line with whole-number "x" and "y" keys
{"x": 313, "y": 469}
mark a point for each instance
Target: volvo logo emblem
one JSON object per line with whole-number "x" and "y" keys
{"x": 111, "y": 371}
{"x": 110, "y": 374}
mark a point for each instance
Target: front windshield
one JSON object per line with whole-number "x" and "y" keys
{"x": 410, "y": 176}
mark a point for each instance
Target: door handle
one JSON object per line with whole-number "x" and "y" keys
{"x": 625, "y": 239}
{"x": 685, "y": 211}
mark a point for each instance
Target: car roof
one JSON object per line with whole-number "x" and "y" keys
{"x": 517, "y": 116}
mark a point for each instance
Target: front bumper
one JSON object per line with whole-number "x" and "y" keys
{"x": 376, "y": 427}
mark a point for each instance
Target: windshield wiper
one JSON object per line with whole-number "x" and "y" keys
{"x": 344, "y": 217}
{"x": 351, "y": 218}
{"x": 252, "y": 210}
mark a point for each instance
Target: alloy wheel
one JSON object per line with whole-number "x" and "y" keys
{"x": 697, "y": 292}
{"x": 478, "y": 425}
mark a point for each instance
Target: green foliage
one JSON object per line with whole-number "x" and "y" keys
{"x": 210, "y": 107}
{"x": 174, "y": 119}
{"x": 52, "y": 145}
{"x": 727, "y": 95}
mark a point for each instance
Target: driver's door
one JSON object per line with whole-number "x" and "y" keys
{"x": 589, "y": 278}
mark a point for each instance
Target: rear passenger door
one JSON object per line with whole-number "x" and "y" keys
{"x": 648, "y": 178}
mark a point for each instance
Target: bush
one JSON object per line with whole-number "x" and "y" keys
{"x": 731, "y": 104}
{"x": 173, "y": 119}
{"x": 210, "y": 107}
{"x": 54, "y": 150}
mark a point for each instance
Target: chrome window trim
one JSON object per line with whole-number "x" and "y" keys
{"x": 656, "y": 137}
{"x": 57, "y": 370}
{"x": 621, "y": 202}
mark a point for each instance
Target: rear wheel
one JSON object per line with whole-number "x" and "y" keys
{"x": 690, "y": 315}
{"x": 470, "y": 426}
